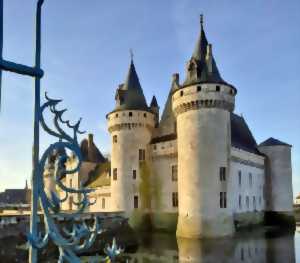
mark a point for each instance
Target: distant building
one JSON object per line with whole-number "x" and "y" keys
{"x": 297, "y": 200}
{"x": 198, "y": 168}
{"x": 15, "y": 196}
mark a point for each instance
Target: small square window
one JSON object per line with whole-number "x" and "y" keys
{"x": 199, "y": 88}
{"x": 218, "y": 88}
{"x": 145, "y": 115}
{"x": 130, "y": 114}
{"x": 117, "y": 115}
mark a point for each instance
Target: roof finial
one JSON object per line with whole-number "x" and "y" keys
{"x": 131, "y": 54}
{"x": 201, "y": 20}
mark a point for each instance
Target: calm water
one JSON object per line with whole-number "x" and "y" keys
{"x": 260, "y": 245}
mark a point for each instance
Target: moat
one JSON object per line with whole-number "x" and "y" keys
{"x": 267, "y": 245}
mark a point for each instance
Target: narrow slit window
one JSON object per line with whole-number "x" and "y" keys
{"x": 175, "y": 199}
{"x": 136, "y": 202}
{"x": 115, "y": 139}
{"x": 240, "y": 178}
{"x": 142, "y": 155}
{"x": 174, "y": 173}
{"x": 134, "y": 174}
{"x": 222, "y": 173}
{"x": 115, "y": 174}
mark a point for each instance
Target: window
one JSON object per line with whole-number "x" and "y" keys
{"x": 240, "y": 178}
{"x": 134, "y": 174}
{"x": 174, "y": 173}
{"x": 181, "y": 93}
{"x": 250, "y": 179}
{"x": 115, "y": 174}
{"x": 115, "y": 139}
{"x": 198, "y": 88}
{"x": 218, "y": 88}
{"x": 247, "y": 202}
{"x": 117, "y": 115}
{"x": 222, "y": 173}
{"x": 223, "y": 200}
{"x": 175, "y": 199}
{"x": 103, "y": 203}
{"x": 71, "y": 183}
{"x": 254, "y": 203}
{"x": 142, "y": 154}
{"x": 240, "y": 202}
{"x": 145, "y": 115}
{"x": 259, "y": 200}
{"x": 136, "y": 201}
{"x": 154, "y": 147}
{"x": 130, "y": 114}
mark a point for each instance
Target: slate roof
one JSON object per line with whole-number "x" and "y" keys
{"x": 154, "y": 103}
{"x": 202, "y": 67}
{"x": 241, "y": 136}
{"x": 90, "y": 152}
{"x": 130, "y": 94}
{"x": 273, "y": 142}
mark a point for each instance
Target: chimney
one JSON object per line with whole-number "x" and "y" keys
{"x": 90, "y": 139}
{"x": 175, "y": 79}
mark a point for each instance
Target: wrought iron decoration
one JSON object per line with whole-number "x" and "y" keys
{"x": 80, "y": 236}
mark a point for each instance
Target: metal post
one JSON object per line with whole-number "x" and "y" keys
{"x": 36, "y": 138}
{"x": 1, "y": 44}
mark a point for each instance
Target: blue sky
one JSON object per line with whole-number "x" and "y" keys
{"x": 86, "y": 55}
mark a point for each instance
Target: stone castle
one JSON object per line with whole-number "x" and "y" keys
{"x": 197, "y": 169}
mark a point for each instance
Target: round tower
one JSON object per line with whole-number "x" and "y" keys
{"x": 202, "y": 106}
{"x": 278, "y": 188}
{"x": 130, "y": 126}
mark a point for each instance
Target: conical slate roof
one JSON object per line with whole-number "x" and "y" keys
{"x": 273, "y": 142}
{"x": 154, "y": 103}
{"x": 202, "y": 67}
{"x": 131, "y": 93}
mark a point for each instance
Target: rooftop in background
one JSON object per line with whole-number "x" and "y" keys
{"x": 273, "y": 142}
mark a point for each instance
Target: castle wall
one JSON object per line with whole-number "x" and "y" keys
{"x": 279, "y": 187}
{"x": 132, "y": 130}
{"x": 165, "y": 189}
{"x": 101, "y": 199}
{"x": 203, "y": 134}
{"x": 247, "y": 187}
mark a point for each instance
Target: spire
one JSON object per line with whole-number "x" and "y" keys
{"x": 154, "y": 103}
{"x": 201, "y": 45}
{"x": 131, "y": 96}
{"x": 202, "y": 66}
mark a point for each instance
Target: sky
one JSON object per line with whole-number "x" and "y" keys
{"x": 85, "y": 56}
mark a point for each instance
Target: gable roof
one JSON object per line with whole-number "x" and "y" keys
{"x": 241, "y": 136}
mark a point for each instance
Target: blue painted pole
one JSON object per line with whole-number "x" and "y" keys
{"x": 1, "y": 45}
{"x": 33, "y": 258}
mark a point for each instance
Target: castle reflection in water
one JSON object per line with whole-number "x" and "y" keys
{"x": 256, "y": 246}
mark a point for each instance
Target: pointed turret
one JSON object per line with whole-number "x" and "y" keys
{"x": 155, "y": 110}
{"x": 202, "y": 67}
{"x": 201, "y": 45}
{"x": 130, "y": 95}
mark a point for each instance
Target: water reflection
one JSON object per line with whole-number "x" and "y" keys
{"x": 256, "y": 246}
